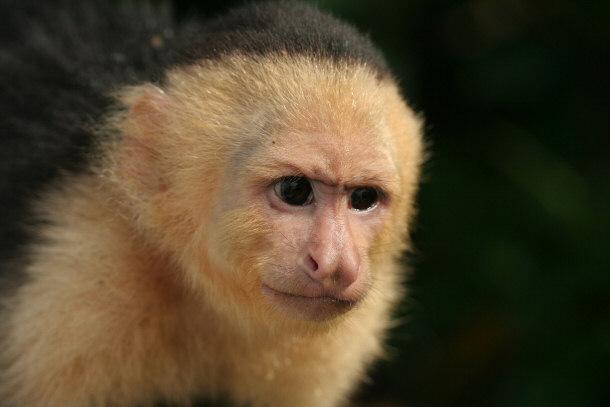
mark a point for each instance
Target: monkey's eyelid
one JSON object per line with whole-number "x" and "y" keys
{"x": 382, "y": 193}
{"x": 290, "y": 175}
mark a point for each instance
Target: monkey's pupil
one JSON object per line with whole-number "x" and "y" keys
{"x": 295, "y": 190}
{"x": 363, "y": 198}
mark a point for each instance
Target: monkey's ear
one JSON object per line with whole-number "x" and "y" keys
{"x": 141, "y": 148}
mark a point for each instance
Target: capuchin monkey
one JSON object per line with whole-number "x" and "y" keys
{"x": 211, "y": 211}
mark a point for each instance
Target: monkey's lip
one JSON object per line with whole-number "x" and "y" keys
{"x": 312, "y": 308}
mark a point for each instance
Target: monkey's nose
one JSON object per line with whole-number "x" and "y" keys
{"x": 333, "y": 258}
{"x": 334, "y": 269}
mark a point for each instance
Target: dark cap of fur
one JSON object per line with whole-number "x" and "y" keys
{"x": 286, "y": 27}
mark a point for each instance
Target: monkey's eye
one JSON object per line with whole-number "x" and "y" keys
{"x": 294, "y": 190}
{"x": 364, "y": 198}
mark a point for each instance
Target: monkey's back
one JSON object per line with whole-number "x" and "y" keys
{"x": 59, "y": 64}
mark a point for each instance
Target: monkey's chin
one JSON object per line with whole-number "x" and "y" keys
{"x": 316, "y": 309}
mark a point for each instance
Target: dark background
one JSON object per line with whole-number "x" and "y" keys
{"x": 510, "y": 297}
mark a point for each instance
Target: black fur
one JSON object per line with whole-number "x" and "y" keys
{"x": 291, "y": 27}
{"x": 60, "y": 61}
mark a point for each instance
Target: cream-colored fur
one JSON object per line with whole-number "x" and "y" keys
{"x": 145, "y": 284}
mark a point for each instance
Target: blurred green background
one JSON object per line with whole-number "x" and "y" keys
{"x": 510, "y": 296}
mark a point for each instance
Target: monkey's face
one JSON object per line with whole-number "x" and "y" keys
{"x": 324, "y": 207}
{"x": 307, "y": 221}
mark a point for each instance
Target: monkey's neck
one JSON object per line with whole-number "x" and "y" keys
{"x": 90, "y": 241}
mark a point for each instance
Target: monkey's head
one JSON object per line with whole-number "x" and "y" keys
{"x": 282, "y": 186}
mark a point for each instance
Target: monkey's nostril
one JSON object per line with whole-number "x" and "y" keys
{"x": 313, "y": 265}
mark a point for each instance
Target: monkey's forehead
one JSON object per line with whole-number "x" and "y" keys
{"x": 283, "y": 27}
{"x": 252, "y": 102}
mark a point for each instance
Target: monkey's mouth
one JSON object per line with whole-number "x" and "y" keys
{"x": 314, "y": 308}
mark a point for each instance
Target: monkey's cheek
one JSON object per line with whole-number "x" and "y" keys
{"x": 315, "y": 309}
